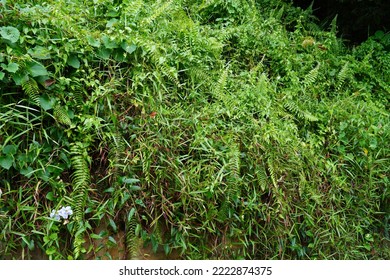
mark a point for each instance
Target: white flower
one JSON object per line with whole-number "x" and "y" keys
{"x": 54, "y": 215}
{"x": 1, "y": 192}
{"x": 65, "y": 212}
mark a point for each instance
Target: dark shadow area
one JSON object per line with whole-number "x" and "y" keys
{"x": 356, "y": 19}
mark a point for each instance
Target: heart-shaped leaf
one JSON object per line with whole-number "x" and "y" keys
{"x": 10, "y": 33}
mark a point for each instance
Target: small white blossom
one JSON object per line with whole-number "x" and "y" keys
{"x": 1, "y": 192}
{"x": 54, "y": 215}
{"x": 64, "y": 212}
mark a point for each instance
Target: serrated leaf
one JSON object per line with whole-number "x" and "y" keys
{"x": 36, "y": 69}
{"x": 10, "y": 33}
{"x": 73, "y": 61}
{"x": 6, "y": 161}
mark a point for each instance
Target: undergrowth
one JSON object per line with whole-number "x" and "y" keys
{"x": 213, "y": 129}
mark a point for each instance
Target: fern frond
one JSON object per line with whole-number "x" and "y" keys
{"x": 219, "y": 91}
{"x": 342, "y": 76}
{"x": 80, "y": 183}
{"x": 31, "y": 88}
{"x": 61, "y": 116}
{"x": 311, "y": 77}
{"x": 132, "y": 241}
{"x": 132, "y": 8}
{"x": 158, "y": 12}
{"x": 298, "y": 112}
{"x": 170, "y": 73}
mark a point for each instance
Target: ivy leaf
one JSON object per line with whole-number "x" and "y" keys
{"x": 128, "y": 48}
{"x": 11, "y": 67}
{"x": 111, "y": 22}
{"x": 104, "y": 53}
{"x": 73, "y": 61}
{"x": 108, "y": 43}
{"x": 36, "y": 69}
{"x": 93, "y": 42}
{"x": 10, "y": 33}
{"x": 6, "y": 162}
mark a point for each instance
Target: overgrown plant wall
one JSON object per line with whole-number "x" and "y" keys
{"x": 202, "y": 129}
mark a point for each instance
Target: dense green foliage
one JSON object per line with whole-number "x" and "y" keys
{"x": 217, "y": 129}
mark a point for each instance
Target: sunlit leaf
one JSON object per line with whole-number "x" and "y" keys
{"x": 10, "y": 33}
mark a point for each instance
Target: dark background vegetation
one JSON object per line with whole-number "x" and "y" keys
{"x": 357, "y": 19}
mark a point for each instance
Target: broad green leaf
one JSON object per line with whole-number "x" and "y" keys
{"x": 6, "y": 162}
{"x": 104, "y": 53}
{"x": 93, "y": 42}
{"x": 11, "y": 67}
{"x": 36, "y": 69}
{"x": 39, "y": 52}
{"x": 1, "y": 75}
{"x": 128, "y": 48}
{"x": 27, "y": 171}
{"x": 73, "y": 61}
{"x": 50, "y": 196}
{"x": 10, "y": 33}
{"x": 10, "y": 149}
{"x": 51, "y": 250}
{"x": 46, "y": 102}
{"x": 20, "y": 78}
{"x": 111, "y": 22}
{"x": 109, "y": 43}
